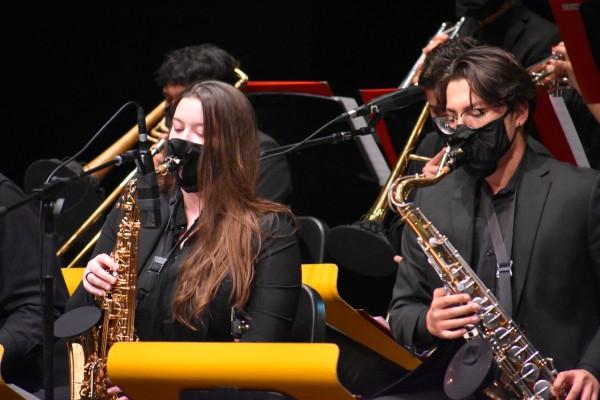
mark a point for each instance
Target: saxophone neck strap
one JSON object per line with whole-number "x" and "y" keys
{"x": 502, "y": 250}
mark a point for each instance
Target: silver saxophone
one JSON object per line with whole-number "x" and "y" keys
{"x": 524, "y": 372}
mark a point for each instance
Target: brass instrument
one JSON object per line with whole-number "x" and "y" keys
{"x": 525, "y": 374}
{"x": 368, "y": 231}
{"x": 542, "y": 76}
{"x": 88, "y": 352}
{"x": 158, "y": 130}
{"x": 104, "y": 206}
{"x": 126, "y": 142}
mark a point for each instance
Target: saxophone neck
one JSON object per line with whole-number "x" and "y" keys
{"x": 170, "y": 164}
{"x": 402, "y": 188}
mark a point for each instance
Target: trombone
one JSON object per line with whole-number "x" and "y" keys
{"x": 368, "y": 231}
{"x": 158, "y": 132}
{"x": 379, "y": 210}
{"x": 540, "y": 73}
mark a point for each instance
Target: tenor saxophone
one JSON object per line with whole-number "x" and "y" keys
{"x": 88, "y": 352}
{"x": 524, "y": 372}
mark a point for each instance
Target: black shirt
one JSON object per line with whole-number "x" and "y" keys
{"x": 504, "y": 204}
{"x": 274, "y": 288}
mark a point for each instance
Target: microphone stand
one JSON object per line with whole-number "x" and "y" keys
{"x": 334, "y": 138}
{"x": 49, "y": 195}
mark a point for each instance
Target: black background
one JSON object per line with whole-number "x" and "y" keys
{"x": 68, "y": 66}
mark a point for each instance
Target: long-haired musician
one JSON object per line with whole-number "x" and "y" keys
{"x": 227, "y": 260}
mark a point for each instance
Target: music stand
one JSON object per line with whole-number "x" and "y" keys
{"x": 381, "y": 128}
{"x": 571, "y": 17}
{"x": 170, "y": 371}
{"x": 320, "y": 88}
{"x": 349, "y": 321}
{"x": 370, "y": 359}
{"x": 556, "y": 130}
{"x": 335, "y": 183}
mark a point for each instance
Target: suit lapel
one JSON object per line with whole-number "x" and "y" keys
{"x": 516, "y": 30}
{"x": 531, "y": 200}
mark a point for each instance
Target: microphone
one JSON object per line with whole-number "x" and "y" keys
{"x": 148, "y": 198}
{"x": 388, "y": 102}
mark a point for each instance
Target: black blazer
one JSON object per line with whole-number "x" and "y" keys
{"x": 21, "y": 314}
{"x": 556, "y": 253}
{"x": 523, "y": 33}
{"x": 274, "y": 178}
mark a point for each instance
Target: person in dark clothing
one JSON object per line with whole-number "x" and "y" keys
{"x": 586, "y": 116}
{"x": 509, "y": 25}
{"x": 186, "y": 66}
{"x": 553, "y": 295}
{"x": 21, "y": 313}
{"x": 228, "y": 257}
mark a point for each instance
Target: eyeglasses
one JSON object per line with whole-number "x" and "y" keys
{"x": 472, "y": 118}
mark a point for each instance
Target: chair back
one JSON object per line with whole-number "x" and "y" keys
{"x": 309, "y": 324}
{"x": 312, "y": 232}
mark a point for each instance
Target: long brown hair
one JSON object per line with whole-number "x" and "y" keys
{"x": 227, "y": 241}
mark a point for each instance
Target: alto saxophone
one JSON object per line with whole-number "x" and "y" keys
{"x": 524, "y": 373}
{"x": 88, "y": 352}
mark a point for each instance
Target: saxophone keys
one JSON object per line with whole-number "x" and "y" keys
{"x": 490, "y": 320}
{"x": 502, "y": 335}
{"x": 515, "y": 354}
{"x": 542, "y": 389}
{"x": 530, "y": 372}
{"x": 466, "y": 286}
{"x": 436, "y": 241}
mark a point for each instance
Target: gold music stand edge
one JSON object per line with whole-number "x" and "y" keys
{"x": 161, "y": 370}
{"x": 340, "y": 315}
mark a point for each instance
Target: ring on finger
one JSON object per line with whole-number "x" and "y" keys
{"x": 87, "y": 274}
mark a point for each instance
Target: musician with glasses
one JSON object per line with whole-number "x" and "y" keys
{"x": 548, "y": 215}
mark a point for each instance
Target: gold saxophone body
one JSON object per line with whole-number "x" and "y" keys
{"x": 524, "y": 373}
{"x": 88, "y": 352}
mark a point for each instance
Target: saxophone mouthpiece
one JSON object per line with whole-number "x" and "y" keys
{"x": 171, "y": 163}
{"x": 456, "y": 157}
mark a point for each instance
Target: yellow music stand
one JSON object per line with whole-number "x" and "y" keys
{"x": 159, "y": 370}
{"x": 72, "y": 278}
{"x": 343, "y": 317}
{"x": 12, "y": 392}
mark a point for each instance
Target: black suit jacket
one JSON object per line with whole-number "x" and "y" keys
{"x": 525, "y": 34}
{"x": 556, "y": 253}
{"x": 21, "y": 314}
{"x": 274, "y": 178}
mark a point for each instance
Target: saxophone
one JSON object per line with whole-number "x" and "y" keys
{"x": 88, "y": 352}
{"x": 524, "y": 373}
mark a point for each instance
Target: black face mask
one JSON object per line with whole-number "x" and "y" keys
{"x": 189, "y": 154}
{"x": 482, "y": 147}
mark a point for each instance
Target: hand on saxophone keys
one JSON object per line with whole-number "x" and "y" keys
{"x": 100, "y": 274}
{"x": 450, "y": 315}
{"x": 576, "y": 384}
